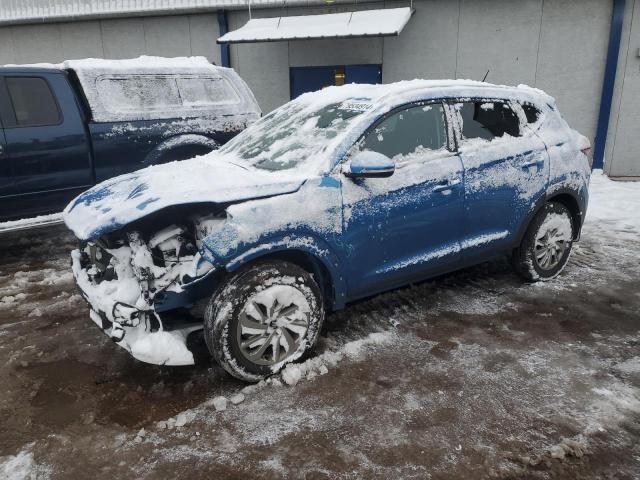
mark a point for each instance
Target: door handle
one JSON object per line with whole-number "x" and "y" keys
{"x": 534, "y": 163}
{"x": 446, "y": 186}
{"x": 454, "y": 181}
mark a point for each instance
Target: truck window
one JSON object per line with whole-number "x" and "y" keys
{"x": 136, "y": 93}
{"x": 172, "y": 94}
{"x": 33, "y": 102}
{"x": 206, "y": 91}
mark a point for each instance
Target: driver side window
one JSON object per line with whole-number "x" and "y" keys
{"x": 410, "y": 131}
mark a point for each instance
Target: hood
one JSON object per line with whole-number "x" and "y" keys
{"x": 117, "y": 202}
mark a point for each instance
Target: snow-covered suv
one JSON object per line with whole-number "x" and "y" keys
{"x": 335, "y": 196}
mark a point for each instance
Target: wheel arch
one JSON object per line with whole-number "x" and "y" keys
{"x": 312, "y": 256}
{"x": 566, "y": 197}
{"x": 571, "y": 202}
{"x": 170, "y": 146}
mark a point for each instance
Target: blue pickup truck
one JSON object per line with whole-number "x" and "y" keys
{"x": 66, "y": 127}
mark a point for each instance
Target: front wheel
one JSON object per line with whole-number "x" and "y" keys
{"x": 546, "y": 245}
{"x": 265, "y": 316}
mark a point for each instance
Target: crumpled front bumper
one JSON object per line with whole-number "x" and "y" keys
{"x": 133, "y": 326}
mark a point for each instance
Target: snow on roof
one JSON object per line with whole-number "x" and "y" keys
{"x": 130, "y": 64}
{"x": 364, "y": 23}
{"x": 293, "y": 137}
{"x": 410, "y": 90}
{"x": 156, "y": 64}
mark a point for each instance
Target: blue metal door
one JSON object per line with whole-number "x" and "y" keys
{"x": 310, "y": 79}
{"x": 363, "y": 73}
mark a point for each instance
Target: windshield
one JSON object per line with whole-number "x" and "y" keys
{"x": 290, "y": 135}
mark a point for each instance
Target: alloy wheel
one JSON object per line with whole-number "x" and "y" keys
{"x": 273, "y": 324}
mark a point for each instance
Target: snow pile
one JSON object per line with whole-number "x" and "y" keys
{"x": 612, "y": 405}
{"x": 294, "y": 372}
{"x": 613, "y": 205}
{"x": 21, "y": 466}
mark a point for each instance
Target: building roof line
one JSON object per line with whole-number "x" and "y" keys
{"x": 14, "y": 12}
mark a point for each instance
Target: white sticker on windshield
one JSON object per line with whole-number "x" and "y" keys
{"x": 355, "y": 106}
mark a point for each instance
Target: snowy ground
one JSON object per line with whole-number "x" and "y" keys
{"x": 472, "y": 375}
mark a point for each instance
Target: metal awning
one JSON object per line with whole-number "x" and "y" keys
{"x": 364, "y": 23}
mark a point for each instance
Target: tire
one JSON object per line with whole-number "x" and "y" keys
{"x": 273, "y": 306}
{"x": 546, "y": 245}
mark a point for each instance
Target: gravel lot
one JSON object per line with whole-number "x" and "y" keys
{"x": 471, "y": 375}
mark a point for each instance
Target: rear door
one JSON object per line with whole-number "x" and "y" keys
{"x": 7, "y": 184}
{"x": 506, "y": 170}
{"x": 49, "y": 152}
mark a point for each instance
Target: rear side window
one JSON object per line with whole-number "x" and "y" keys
{"x": 488, "y": 120}
{"x": 33, "y": 102}
{"x": 409, "y": 131}
{"x": 531, "y": 112}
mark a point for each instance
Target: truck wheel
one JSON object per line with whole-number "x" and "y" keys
{"x": 546, "y": 245}
{"x": 265, "y": 316}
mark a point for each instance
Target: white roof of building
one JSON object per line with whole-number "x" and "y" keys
{"x": 364, "y": 23}
{"x": 38, "y": 11}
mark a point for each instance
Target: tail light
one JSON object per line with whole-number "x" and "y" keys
{"x": 585, "y": 147}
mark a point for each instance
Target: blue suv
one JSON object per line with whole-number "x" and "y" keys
{"x": 335, "y": 196}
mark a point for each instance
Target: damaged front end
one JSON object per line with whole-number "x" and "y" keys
{"x": 136, "y": 280}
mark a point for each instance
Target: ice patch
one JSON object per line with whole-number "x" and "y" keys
{"x": 629, "y": 366}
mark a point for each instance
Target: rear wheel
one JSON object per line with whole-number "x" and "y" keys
{"x": 265, "y": 316}
{"x": 546, "y": 246}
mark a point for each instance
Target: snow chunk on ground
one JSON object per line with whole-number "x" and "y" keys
{"x": 292, "y": 374}
{"x": 185, "y": 417}
{"x": 219, "y": 403}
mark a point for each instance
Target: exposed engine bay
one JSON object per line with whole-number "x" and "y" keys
{"x": 124, "y": 276}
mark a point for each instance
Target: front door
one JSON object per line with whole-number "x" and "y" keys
{"x": 407, "y": 225}
{"x": 506, "y": 170}
{"x": 48, "y": 146}
{"x": 310, "y": 79}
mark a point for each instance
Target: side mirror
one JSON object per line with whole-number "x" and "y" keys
{"x": 368, "y": 164}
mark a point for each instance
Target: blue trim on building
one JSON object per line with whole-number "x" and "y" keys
{"x": 223, "y": 26}
{"x": 615, "y": 33}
